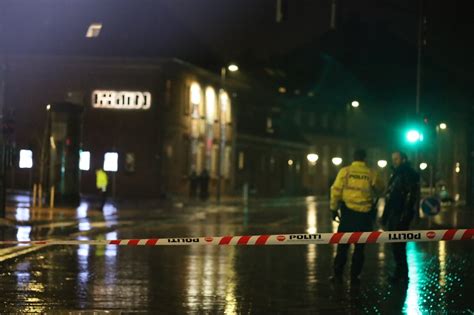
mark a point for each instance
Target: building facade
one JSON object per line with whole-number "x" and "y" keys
{"x": 148, "y": 123}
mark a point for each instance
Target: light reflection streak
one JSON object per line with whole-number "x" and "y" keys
{"x": 412, "y": 301}
{"x": 111, "y": 250}
{"x": 81, "y": 211}
{"x": 109, "y": 210}
{"x": 442, "y": 273}
{"x": 84, "y": 226}
{"x": 311, "y": 219}
{"x": 83, "y": 266}
{"x": 210, "y": 275}
{"x": 23, "y": 234}
{"x": 22, "y": 214}
{"x": 312, "y": 224}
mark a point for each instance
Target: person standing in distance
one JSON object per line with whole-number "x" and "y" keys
{"x": 354, "y": 192}
{"x": 102, "y": 182}
{"x": 402, "y": 202}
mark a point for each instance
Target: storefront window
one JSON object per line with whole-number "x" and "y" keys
{"x": 111, "y": 162}
{"x": 85, "y": 160}
{"x": 211, "y": 106}
{"x": 196, "y": 104}
{"x": 26, "y": 159}
{"x": 226, "y": 114}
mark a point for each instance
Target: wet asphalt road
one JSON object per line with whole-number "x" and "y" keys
{"x": 235, "y": 280}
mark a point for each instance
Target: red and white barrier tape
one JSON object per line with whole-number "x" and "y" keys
{"x": 278, "y": 239}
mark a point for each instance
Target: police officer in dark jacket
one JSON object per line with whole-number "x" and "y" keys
{"x": 401, "y": 206}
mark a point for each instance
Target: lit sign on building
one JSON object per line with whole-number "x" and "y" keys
{"x": 127, "y": 100}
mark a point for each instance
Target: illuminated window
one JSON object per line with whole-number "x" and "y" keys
{"x": 85, "y": 160}
{"x": 94, "y": 30}
{"x": 211, "y": 105}
{"x": 226, "y": 114}
{"x": 241, "y": 160}
{"x": 195, "y": 100}
{"x": 111, "y": 162}
{"x": 26, "y": 159}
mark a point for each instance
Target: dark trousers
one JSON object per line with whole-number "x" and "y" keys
{"x": 103, "y": 199}
{"x": 352, "y": 221}
{"x": 399, "y": 250}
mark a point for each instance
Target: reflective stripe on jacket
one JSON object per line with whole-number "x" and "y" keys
{"x": 355, "y": 185}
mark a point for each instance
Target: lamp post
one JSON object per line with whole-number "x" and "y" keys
{"x": 222, "y": 128}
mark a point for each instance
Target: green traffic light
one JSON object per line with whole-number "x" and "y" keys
{"x": 413, "y": 136}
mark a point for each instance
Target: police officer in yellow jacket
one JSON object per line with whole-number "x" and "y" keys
{"x": 354, "y": 192}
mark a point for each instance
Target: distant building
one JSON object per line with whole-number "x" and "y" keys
{"x": 149, "y": 122}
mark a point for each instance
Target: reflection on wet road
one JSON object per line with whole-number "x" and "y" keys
{"x": 236, "y": 280}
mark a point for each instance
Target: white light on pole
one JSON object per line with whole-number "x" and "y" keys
{"x": 443, "y": 126}
{"x": 312, "y": 158}
{"x": 382, "y": 163}
{"x": 233, "y": 67}
{"x": 458, "y": 168}
{"x": 423, "y": 166}
{"x": 337, "y": 161}
{"x": 355, "y": 104}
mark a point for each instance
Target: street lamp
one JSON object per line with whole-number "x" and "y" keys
{"x": 312, "y": 158}
{"x": 337, "y": 161}
{"x": 355, "y": 104}
{"x": 233, "y": 67}
{"x": 423, "y": 166}
{"x": 443, "y": 126}
{"x": 382, "y": 163}
{"x": 222, "y": 124}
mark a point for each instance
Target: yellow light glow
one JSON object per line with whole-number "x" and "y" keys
{"x": 290, "y": 162}
{"x": 282, "y": 89}
{"x": 233, "y": 67}
{"x": 210, "y": 105}
{"x": 382, "y": 163}
{"x": 312, "y": 158}
{"x": 195, "y": 93}
{"x": 336, "y": 161}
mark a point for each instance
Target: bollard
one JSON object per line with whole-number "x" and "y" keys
{"x": 51, "y": 198}
{"x": 35, "y": 187}
{"x": 40, "y": 196}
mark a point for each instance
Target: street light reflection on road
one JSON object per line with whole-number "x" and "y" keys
{"x": 23, "y": 234}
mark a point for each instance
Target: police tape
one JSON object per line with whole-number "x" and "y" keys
{"x": 277, "y": 239}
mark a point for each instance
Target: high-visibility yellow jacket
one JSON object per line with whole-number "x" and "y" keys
{"x": 101, "y": 180}
{"x": 356, "y": 185}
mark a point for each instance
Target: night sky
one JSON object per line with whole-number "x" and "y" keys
{"x": 375, "y": 41}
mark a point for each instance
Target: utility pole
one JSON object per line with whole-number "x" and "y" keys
{"x": 421, "y": 27}
{"x": 3, "y": 140}
{"x": 222, "y": 137}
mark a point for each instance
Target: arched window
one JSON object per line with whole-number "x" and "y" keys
{"x": 211, "y": 105}
{"x": 226, "y": 113}
{"x": 195, "y": 101}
